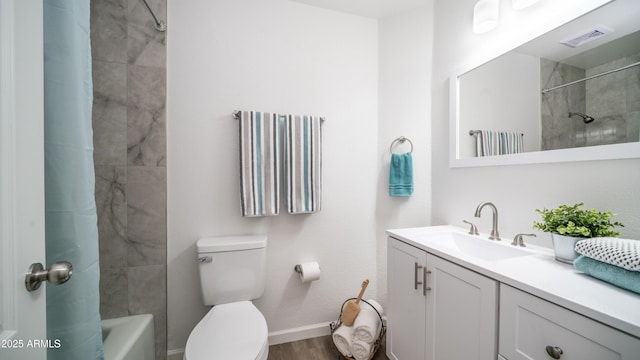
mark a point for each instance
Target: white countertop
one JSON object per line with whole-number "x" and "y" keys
{"x": 538, "y": 274}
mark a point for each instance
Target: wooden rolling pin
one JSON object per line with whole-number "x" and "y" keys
{"x": 352, "y": 307}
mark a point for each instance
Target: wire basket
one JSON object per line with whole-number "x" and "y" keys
{"x": 334, "y": 325}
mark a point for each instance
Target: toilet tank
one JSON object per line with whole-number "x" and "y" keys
{"x": 232, "y": 268}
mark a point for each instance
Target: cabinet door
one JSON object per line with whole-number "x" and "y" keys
{"x": 462, "y": 313}
{"x": 529, "y": 324}
{"x": 406, "y": 308}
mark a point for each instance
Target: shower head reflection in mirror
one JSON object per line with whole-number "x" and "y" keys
{"x": 586, "y": 118}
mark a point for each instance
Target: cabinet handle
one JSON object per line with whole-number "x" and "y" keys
{"x": 554, "y": 351}
{"x": 415, "y": 276}
{"x": 425, "y": 288}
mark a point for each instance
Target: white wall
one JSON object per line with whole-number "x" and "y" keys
{"x": 516, "y": 190}
{"x": 276, "y": 55}
{"x": 404, "y": 103}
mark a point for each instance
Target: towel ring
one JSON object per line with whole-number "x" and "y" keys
{"x": 401, "y": 140}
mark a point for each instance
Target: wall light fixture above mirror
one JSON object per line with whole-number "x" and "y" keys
{"x": 540, "y": 94}
{"x": 521, "y": 4}
{"x": 486, "y": 14}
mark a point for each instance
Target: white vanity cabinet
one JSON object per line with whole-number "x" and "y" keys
{"x": 533, "y": 328}
{"x": 452, "y": 296}
{"x": 438, "y": 310}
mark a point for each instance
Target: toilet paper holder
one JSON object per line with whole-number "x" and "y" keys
{"x": 298, "y": 269}
{"x": 308, "y": 272}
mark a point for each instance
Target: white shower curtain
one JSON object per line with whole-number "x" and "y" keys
{"x": 71, "y": 231}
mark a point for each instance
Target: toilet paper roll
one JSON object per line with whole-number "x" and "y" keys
{"x": 309, "y": 271}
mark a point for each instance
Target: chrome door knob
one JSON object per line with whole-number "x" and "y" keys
{"x": 59, "y": 273}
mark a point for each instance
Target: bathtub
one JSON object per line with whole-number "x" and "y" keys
{"x": 129, "y": 338}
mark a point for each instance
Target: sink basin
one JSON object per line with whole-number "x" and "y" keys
{"x": 475, "y": 246}
{"x": 455, "y": 241}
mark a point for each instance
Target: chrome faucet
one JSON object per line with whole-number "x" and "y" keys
{"x": 495, "y": 235}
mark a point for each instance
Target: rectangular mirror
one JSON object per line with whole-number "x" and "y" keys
{"x": 572, "y": 94}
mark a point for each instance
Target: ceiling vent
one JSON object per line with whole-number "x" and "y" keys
{"x": 587, "y": 36}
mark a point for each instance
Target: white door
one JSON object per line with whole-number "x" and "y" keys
{"x": 22, "y": 313}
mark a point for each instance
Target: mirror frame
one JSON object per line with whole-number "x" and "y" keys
{"x": 588, "y": 153}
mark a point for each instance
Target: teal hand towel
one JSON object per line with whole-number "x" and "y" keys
{"x": 612, "y": 274}
{"x": 401, "y": 175}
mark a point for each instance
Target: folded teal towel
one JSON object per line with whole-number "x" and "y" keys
{"x": 615, "y": 275}
{"x": 401, "y": 175}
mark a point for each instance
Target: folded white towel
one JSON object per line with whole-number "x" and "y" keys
{"x": 361, "y": 349}
{"x": 367, "y": 324}
{"x": 624, "y": 253}
{"x": 342, "y": 338}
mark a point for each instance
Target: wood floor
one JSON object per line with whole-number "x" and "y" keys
{"x": 320, "y": 348}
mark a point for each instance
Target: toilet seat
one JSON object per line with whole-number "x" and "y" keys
{"x": 229, "y": 331}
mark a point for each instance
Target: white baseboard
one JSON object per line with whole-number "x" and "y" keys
{"x": 299, "y": 333}
{"x": 277, "y": 337}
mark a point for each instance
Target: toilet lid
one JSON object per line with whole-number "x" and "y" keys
{"x": 228, "y": 331}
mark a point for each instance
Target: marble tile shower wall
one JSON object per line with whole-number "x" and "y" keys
{"x": 556, "y": 127}
{"x": 129, "y": 78}
{"x": 614, "y": 101}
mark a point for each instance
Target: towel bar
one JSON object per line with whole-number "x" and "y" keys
{"x": 401, "y": 140}
{"x": 476, "y": 132}
{"x": 236, "y": 115}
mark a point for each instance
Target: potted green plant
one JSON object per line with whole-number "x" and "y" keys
{"x": 570, "y": 224}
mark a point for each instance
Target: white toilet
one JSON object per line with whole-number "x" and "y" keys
{"x": 232, "y": 273}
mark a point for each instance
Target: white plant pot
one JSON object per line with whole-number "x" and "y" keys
{"x": 564, "y": 247}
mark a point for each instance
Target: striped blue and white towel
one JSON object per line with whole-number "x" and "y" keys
{"x": 303, "y": 163}
{"x": 491, "y": 143}
{"x": 259, "y": 163}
